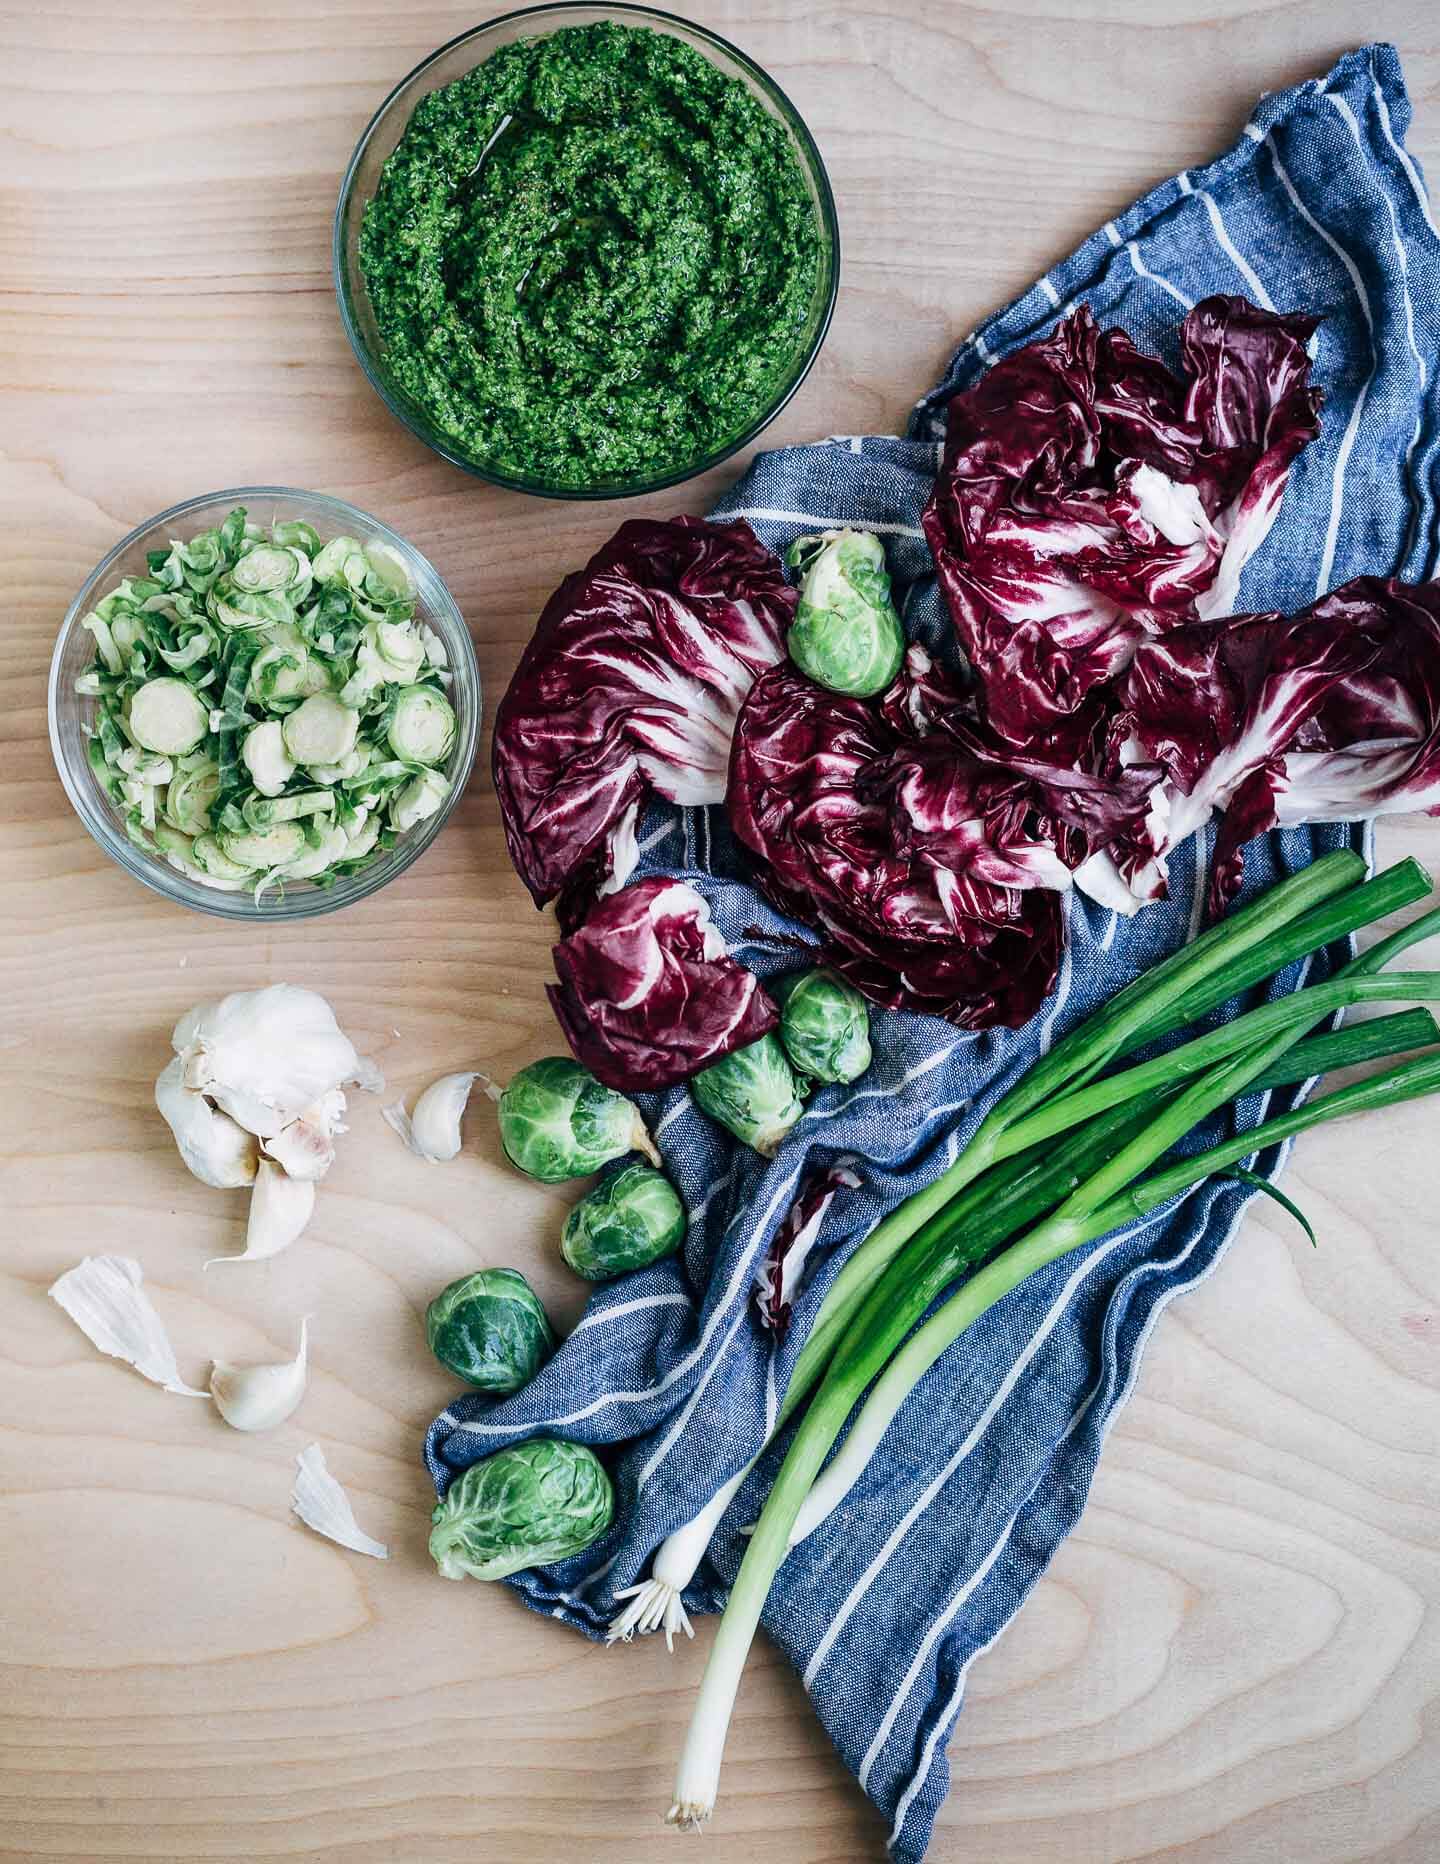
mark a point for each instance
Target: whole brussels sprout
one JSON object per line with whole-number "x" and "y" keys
{"x": 526, "y": 1506}
{"x": 753, "y": 1093}
{"x": 824, "y": 1025}
{"x": 558, "y": 1122}
{"x": 846, "y": 635}
{"x": 490, "y": 1330}
{"x": 630, "y": 1221}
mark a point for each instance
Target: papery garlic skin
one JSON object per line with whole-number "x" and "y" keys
{"x": 432, "y": 1131}
{"x": 266, "y": 1056}
{"x": 217, "y": 1150}
{"x": 104, "y": 1297}
{"x": 260, "y": 1397}
{"x": 322, "y": 1504}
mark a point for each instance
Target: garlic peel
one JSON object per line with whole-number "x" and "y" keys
{"x": 432, "y": 1131}
{"x": 322, "y": 1504}
{"x": 104, "y": 1297}
{"x": 280, "y": 1208}
{"x": 260, "y": 1397}
{"x": 217, "y": 1150}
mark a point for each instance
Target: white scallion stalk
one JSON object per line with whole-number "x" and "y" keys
{"x": 656, "y": 1603}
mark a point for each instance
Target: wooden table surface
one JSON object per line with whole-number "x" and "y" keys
{"x": 1235, "y": 1657}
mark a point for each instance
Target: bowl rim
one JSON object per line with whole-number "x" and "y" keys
{"x": 102, "y": 824}
{"x": 516, "y": 482}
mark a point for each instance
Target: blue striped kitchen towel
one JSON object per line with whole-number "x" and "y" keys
{"x": 1317, "y": 208}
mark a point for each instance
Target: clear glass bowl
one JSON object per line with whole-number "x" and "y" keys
{"x": 70, "y": 714}
{"x": 452, "y": 61}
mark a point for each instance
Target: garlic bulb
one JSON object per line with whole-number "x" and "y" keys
{"x": 104, "y": 1297}
{"x": 280, "y": 1208}
{"x": 432, "y": 1131}
{"x": 260, "y": 1397}
{"x": 219, "y": 1152}
{"x": 322, "y": 1503}
{"x": 265, "y": 1056}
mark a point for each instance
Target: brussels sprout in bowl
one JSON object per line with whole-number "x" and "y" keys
{"x": 240, "y": 606}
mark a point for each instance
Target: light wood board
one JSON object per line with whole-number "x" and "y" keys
{"x": 1234, "y": 1658}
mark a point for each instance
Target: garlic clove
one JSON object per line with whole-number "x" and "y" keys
{"x": 432, "y": 1131}
{"x": 280, "y": 1208}
{"x": 260, "y": 1397}
{"x": 104, "y": 1297}
{"x": 322, "y": 1504}
{"x": 305, "y": 1150}
{"x": 213, "y": 1146}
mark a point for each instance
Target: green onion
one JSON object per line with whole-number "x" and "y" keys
{"x": 1344, "y": 1048}
{"x": 1409, "y": 1081}
{"x": 897, "y": 1294}
{"x": 1399, "y": 886}
{"x": 1256, "y": 928}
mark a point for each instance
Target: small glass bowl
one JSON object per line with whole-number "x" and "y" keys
{"x": 70, "y": 714}
{"x": 452, "y": 61}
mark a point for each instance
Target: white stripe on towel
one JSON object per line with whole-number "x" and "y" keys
{"x": 1143, "y": 271}
{"x": 982, "y": 1424}
{"x": 1232, "y": 252}
{"x": 738, "y": 1282}
{"x": 640, "y": 1302}
{"x": 1349, "y": 117}
{"x": 687, "y": 1410}
{"x": 1342, "y": 458}
{"x": 768, "y": 515}
{"x": 1412, "y": 174}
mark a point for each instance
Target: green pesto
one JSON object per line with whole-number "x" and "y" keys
{"x": 593, "y": 257}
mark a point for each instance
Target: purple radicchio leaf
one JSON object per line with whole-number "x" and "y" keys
{"x": 647, "y": 993}
{"x": 630, "y": 686}
{"x": 1088, "y": 499}
{"x": 777, "y": 1281}
{"x": 930, "y": 876}
{"x": 1225, "y": 707}
{"x": 1372, "y": 746}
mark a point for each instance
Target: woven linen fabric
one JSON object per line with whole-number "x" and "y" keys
{"x": 1317, "y": 208}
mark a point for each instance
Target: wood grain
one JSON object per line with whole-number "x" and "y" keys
{"x": 1234, "y": 1659}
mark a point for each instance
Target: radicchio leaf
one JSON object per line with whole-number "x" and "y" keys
{"x": 631, "y": 685}
{"x": 928, "y": 873}
{"x": 1088, "y": 498}
{"x": 1372, "y": 746}
{"x": 648, "y": 995}
{"x": 777, "y": 1281}
{"x": 1225, "y": 709}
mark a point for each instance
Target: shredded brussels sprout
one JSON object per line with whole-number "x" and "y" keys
{"x": 267, "y": 708}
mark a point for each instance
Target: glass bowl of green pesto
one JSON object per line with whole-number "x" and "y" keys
{"x": 586, "y": 251}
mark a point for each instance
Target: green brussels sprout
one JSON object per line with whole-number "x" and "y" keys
{"x": 846, "y": 635}
{"x": 824, "y": 1025}
{"x": 753, "y": 1093}
{"x": 630, "y": 1221}
{"x": 558, "y": 1122}
{"x": 526, "y": 1506}
{"x": 490, "y": 1330}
